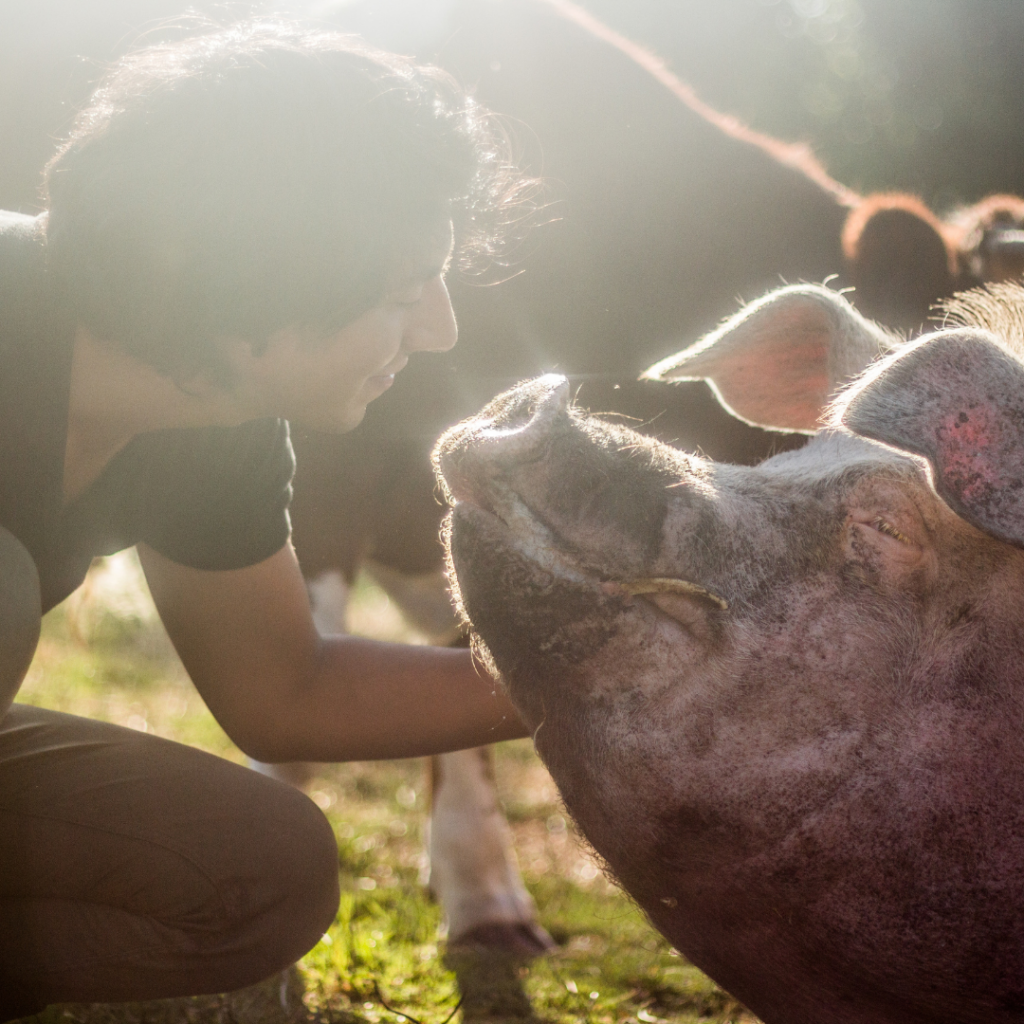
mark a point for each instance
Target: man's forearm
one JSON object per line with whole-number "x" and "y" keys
{"x": 284, "y": 693}
{"x": 365, "y": 700}
{"x": 19, "y": 616}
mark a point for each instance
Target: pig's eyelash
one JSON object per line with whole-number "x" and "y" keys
{"x": 889, "y": 530}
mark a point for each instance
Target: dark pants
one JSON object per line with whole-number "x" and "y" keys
{"x": 136, "y": 868}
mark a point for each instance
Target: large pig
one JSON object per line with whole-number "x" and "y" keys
{"x": 785, "y": 703}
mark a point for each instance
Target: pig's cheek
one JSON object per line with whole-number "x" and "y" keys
{"x": 539, "y": 627}
{"x": 862, "y": 557}
{"x": 701, "y": 624}
{"x": 650, "y": 654}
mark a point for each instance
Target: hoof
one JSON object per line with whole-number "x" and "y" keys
{"x": 523, "y": 940}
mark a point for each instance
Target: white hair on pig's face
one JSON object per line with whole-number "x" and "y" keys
{"x": 997, "y": 307}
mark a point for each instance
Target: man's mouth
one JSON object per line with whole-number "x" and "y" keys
{"x": 386, "y": 377}
{"x": 396, "y": 365}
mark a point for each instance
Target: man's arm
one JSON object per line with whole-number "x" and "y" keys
{"x": 20, "y": 615}
{"x": 283, "y": 693}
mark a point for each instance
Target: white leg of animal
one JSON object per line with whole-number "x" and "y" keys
{"x": 328, "y": 597}
{"x": 474, "y": 874}
{"x": 115, "y": 586}
{"x": 473, "y": 869}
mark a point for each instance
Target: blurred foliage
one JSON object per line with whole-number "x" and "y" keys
{"x": 922, "y": 95}
{"x": 917, "y": 94}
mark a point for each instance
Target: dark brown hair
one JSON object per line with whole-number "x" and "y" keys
{"x": 257, "y": 177}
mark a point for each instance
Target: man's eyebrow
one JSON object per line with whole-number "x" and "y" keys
{"x": 431, "y": 265}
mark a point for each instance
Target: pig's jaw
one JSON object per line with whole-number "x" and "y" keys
{"x": 512, "y": 582}
{"x": 579, "y": 654}
{"x": 524, "y": 534}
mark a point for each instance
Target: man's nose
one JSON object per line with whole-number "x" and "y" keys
{"x": 433, "y": 328}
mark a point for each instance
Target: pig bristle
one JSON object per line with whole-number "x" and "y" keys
{"x": 997, "y": 307}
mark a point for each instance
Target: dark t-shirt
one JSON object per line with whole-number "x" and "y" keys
{"x": 210, "y": 498}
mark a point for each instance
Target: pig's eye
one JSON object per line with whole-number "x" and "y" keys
{"x": 882, "y": 526}
{"x": 872, "y": 538}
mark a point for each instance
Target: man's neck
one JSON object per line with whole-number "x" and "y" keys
{"x": 114, "y": 397}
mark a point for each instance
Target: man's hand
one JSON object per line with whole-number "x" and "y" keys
{"x": 284, "y": 693}
{"x": 20, "y": 615}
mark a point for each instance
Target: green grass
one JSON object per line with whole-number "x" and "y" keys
{"x": 384, "y": 953}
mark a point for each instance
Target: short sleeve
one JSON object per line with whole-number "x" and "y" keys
{"x": 216, "y": 498}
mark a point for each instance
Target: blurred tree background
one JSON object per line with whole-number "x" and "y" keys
{"x": 922, "y": 95}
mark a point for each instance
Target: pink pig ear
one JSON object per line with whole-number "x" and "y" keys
{"x": 956, "y": 398}
{"x": 778, "y": 361}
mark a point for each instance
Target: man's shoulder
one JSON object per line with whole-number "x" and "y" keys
{"x": 211, "y": 497}
{"x": 209, "y": 471}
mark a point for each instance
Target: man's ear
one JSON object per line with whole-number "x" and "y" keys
{"x": 957, "y": 399}
{"x": 242, "y": 364}
{"x": 778, "y": 361}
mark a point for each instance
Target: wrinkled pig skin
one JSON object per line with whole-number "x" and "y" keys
{"x": 817, "y": 794}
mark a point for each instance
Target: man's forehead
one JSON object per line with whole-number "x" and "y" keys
{"x": 427, "y": 256}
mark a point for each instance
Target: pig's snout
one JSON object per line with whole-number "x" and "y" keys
{"x": 516, "y": 422}
{"x": 512, "y": 430}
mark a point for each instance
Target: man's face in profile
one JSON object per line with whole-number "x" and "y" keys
{"x": 325, "y": 383}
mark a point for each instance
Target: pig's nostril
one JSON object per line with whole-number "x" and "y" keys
{"x": 552, "y": 394}
{"x": 476, "y": 456}
{"x": 533, "y": 404}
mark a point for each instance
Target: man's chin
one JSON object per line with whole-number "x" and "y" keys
{"x": 332, "y": 421}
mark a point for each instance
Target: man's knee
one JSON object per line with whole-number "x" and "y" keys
{"x": 299, "y": 863}
{"x": 314, "y": 865}
{"x": 20, "y": 614}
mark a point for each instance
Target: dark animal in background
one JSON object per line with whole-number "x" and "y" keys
{"x": 989, "y": 237}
